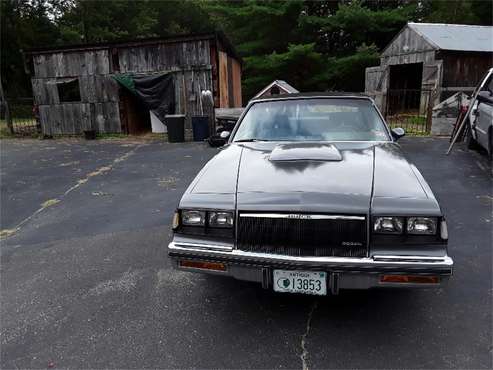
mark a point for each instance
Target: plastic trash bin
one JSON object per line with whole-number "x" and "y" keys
{"x": 200, "y": 128}
{"x": 176, "y": 127}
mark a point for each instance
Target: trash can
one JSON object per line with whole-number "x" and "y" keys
{"x": 200, "y": 128}
{"x": 176, "y": 127}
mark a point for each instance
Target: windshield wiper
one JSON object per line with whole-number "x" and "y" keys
{"x": 249, "y": 140}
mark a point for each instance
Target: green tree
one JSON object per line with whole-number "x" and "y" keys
{"x": 312, "y": 45}
{"x": 458, "y": 11}
{"x": 300, "y": 65}
{"x": 97, "y": 21}
{"x": 315, "y": 45}
{"x": 24, "y": 24}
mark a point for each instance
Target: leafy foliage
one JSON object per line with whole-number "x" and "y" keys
{"x": 314, "y": 45}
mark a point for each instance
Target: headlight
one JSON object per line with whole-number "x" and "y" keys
{"x": 422, "y": 225}
{"x": 193, "y": 218}
{"x": 221, "y": 219}
{"x": 388, "y": 225}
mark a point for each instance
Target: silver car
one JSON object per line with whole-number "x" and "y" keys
{"x": 481, "y": 115}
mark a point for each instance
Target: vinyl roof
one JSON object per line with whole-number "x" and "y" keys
{"x": 329, "y": 94}
{"x": 459, "y": 37}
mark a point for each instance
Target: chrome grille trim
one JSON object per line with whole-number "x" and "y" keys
{"x": 303, "y": 234}
{"x": 306, "y": 216}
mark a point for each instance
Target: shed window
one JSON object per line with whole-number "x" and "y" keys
{"x": 69, "y": 91}
{"x": 115, "y": 60}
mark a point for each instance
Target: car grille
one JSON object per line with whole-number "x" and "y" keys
{"x": 303, "y": 235}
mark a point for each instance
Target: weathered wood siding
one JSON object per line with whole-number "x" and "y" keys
{"x": 376, "y": 83}
{"x": 191, "y": 62}
{"x": 164, "y": 57}
{"x": 229, "y": 81}
{"x": 407, "y": 42}
{"x": 98, "y": 106}
{"x": 461, "y": 69}
{"x": 223, "y": 80}
{"x": 93, "y": 89}
{"x": 234, "y": 80}
{"x": 73, "y": 118}
{"x": 188, "y": 87}
{"x": 71, "y": 64}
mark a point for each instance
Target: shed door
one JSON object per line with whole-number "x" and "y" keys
{"x": 376, "y": 84}
{"x": 432, "y": 76}
{"x": 432, "y": 81}
{"x": 373, "y": 80}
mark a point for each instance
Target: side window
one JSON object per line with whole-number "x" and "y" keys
{"x": 69, "y": 91}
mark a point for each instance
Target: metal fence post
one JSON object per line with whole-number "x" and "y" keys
{"x": 8, "y": 118}
{"x": 429, "y": 111}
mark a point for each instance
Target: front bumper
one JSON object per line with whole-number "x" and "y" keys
{"x": 345, "y": 273}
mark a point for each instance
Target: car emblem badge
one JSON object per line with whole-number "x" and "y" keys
{"x": 352, "y": 244}
{"x": 299, "y": 216}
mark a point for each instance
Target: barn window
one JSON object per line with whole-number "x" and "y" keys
{"x": 69, "y": 91}
{"x": 115, "y": 60}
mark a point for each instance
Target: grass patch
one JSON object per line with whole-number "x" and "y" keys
{"x": 414, "y": 125}
{"x": 111, "y": 136}
{"x": 22, "y": 127}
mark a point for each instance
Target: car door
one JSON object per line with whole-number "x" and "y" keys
{"x": 484, "y": 115}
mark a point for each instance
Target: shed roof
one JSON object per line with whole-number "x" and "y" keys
{"x": 458, "y": 37}
{"x": 223, "y": 39}
{"x": 283, "y": 85}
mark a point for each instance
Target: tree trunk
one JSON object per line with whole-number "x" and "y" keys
{"x": 8, "y": 118}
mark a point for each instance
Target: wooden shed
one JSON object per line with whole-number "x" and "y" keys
{"x": 427, "y": 63}
{"x": 75, "y": 89}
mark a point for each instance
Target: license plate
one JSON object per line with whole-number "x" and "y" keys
{"x": 305, "y": 282}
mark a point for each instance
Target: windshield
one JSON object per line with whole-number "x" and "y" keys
{"x": 320, "y": 119}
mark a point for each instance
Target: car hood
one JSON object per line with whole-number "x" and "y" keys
{"x": 349, "y": 177}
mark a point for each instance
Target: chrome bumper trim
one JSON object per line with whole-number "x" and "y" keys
{"x": 439, "y": 264}
{"x": 410, "y": 259}
{"x": 208, "y": 247}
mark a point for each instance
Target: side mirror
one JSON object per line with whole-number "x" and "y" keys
{"x": 397, "y": 133}
{"x": 485, "y": 96}
{"x": 219, "y": 140}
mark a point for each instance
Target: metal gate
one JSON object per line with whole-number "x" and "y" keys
{"x": 23, "y": 118}
{"x": 409, "y": 109}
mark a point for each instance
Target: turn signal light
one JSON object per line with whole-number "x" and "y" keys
{"x": 216, "y": 266}
{"x": 415, "y": 279}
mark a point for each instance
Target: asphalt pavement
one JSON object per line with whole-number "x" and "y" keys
{"x": 86, "y": 283}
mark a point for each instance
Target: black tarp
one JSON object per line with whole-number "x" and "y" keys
{"x": 156, "y": 91}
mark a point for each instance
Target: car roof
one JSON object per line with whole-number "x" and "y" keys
{"x": 346, "y": 95}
